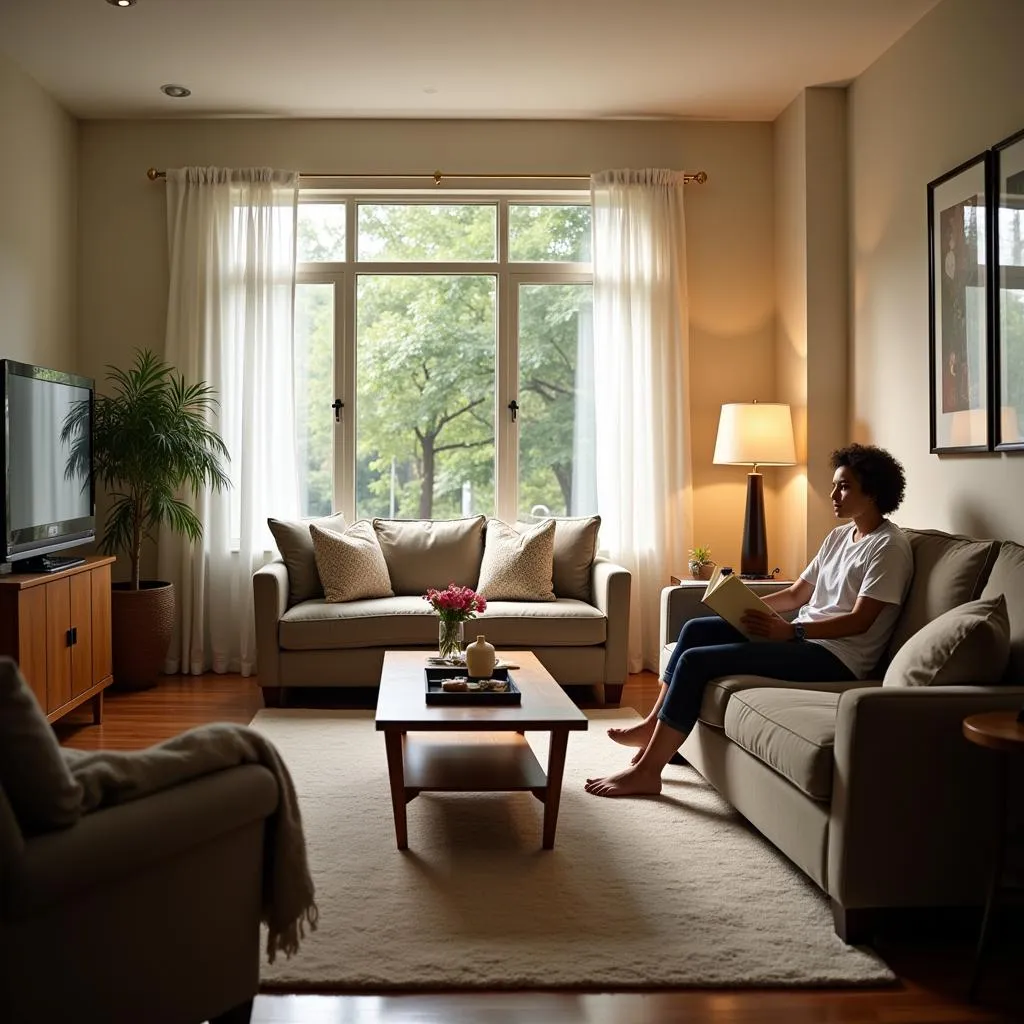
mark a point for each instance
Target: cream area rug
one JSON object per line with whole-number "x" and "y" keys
{"x": 658, "y": 892}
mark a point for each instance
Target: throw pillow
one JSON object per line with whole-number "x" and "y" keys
{"x": 517, "y": 566}
{"x": 39, "y": 787}
{"x": 351, "y": 564}
{"x": 968, "y": 645}
{"x": 425, "y": 553}
{"x": 575, "y": 548}
{"x": 296, "y": 547}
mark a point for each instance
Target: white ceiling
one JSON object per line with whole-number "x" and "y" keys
{"x": 709, "y": 59}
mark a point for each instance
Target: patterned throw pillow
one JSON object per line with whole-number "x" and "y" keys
{"x": 351, "y": 564}
{"x": 296, "y": 547}
{"x": 517, "y": 566}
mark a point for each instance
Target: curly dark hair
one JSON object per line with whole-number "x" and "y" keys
{"x": 879, "y": 474}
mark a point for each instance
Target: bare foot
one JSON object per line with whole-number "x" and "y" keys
{"x": 635, "y": 736}
{"x": 636, "y": 757}
{"x": 630, "y": 781}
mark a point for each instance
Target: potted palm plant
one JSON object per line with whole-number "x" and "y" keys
{"x": 150, "y": 440}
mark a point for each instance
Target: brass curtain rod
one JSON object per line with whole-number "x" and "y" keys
{"x": 697, "y": 177}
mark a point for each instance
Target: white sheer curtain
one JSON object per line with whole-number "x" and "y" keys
{"x": 641, "y": 387}
{"x": 229, "y": 322}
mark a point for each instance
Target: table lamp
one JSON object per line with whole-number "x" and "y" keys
{"x": 755, "y": 434}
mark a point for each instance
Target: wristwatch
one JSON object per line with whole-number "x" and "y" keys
{"x": 799, "y": 632}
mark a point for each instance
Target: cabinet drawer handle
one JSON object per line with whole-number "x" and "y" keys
{"x": 71, "y": 636}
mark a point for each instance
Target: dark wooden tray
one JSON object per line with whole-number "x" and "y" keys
{"x": 435, "y": 695}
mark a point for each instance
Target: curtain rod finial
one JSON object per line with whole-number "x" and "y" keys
{"x": 153, "y": 174}
{"x": 701, "y": 177}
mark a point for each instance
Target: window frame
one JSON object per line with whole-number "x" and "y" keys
{"x": 509, "y": 276}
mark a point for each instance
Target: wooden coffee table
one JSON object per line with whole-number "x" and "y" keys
{"x": 460, "y": 749}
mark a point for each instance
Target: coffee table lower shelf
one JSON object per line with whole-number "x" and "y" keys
{"x": 470, "y": 762}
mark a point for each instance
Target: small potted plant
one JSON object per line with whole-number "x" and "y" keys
{"x": 700, "y": 562}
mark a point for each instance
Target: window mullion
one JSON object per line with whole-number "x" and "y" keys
{"x": 506, "y": 431}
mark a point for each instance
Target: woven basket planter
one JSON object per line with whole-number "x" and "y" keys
{"x": 143, "y": 621}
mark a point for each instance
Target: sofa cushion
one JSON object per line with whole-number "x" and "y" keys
{"x": 1007, "y": 578}
{"x": 425, "y": 553}
{"x": 718, "y": 691}
{"x": 948, "y": 570}
{"x": 38, "y": 784}
{"x": 518, "y": 566}
{"x": 407, "y": 621}
{"x": 296, "y": 546}
{"x": 968, "y": 645}
{"x": 351, "y": 564}
{"x": 792, "y": 731}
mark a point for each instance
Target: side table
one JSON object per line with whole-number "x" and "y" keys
{"x": 1002, "y": 732}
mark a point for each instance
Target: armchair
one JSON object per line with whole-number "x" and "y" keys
{"x": 144, "y": 911}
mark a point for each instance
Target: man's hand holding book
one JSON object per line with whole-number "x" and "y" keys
{"x": 762, "y": 626}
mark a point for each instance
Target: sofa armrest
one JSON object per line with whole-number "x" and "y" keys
{"x": 270, "y": 602}
{"x": 134, "y": 837}
{"x": 678, "y": 604}
{"x": 610, "y": 587}
{"x": 913, "y": 813}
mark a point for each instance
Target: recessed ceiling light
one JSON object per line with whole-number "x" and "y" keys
{"x": 121, "y": 3}
{"x": 177, "y": 92}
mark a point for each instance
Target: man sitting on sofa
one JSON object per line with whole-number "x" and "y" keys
{"x": 848, "y": 598}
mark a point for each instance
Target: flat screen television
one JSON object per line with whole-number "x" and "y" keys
{"x": 48, "y": 499}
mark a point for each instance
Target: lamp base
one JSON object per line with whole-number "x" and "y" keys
{"x": 754, "y": 557}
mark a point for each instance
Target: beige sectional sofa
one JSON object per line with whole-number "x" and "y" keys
{"x": 303, "y": 640}
{"x": 872, "y": 789}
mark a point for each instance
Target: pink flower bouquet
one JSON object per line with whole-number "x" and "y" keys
{"x": 455, "y": 604}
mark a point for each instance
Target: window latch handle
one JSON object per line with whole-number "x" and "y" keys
{"x": 514, "y": 408}
{"x": 337, "y": 405}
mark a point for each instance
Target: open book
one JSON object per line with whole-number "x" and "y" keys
{"x": 730, "y": 597}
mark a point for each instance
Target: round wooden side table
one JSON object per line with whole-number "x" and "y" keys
{"x": 1003, "y": 732}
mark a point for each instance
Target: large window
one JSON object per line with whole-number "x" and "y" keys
{"x": 442, "y": 356}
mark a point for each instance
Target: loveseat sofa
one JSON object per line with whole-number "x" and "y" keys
{"x": 580, "y": 636}
{"x": 872, "y": 789}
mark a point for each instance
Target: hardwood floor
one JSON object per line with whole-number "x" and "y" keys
{"x": 931, "y": 957}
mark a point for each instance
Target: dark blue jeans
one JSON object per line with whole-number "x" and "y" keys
{"x": 709, "y": 647}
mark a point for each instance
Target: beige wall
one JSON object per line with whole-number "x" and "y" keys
{"x": 38, "y": 210}
{"x": 729, "y": 222}
{"x": 811, "y": 277}
{"x": 788, "y": 547}
{"x": 949, "y": 89}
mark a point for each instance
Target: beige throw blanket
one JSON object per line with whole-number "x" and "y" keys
{"x": 113, "y": 777}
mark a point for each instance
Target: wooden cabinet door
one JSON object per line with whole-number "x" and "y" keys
{"x": 58, "y": 649}
{"x": 81, "y": 626}
{"x": 102, "y": 655}
{"x": 23, "y": 635}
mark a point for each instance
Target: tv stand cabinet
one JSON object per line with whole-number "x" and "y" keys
{"x": 56, "y": 625}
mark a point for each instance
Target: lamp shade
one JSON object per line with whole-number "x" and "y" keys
{"x": 755, "y": 433}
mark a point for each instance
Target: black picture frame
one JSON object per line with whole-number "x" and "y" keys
{"x": 1006, "y": 359}
{"x": 960, "y": 310}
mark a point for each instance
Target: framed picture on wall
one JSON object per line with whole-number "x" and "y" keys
{"x": 1007, "y": 357}
{"x": 960, "y": 313}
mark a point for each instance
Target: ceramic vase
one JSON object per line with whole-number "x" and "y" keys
{"x": 480, "y": 658}
{"x": 449, "y": 638}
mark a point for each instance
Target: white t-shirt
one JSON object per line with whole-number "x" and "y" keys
{"x": 879, "y": 565}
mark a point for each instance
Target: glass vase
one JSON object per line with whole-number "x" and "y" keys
{"x": 449, "y": 639}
